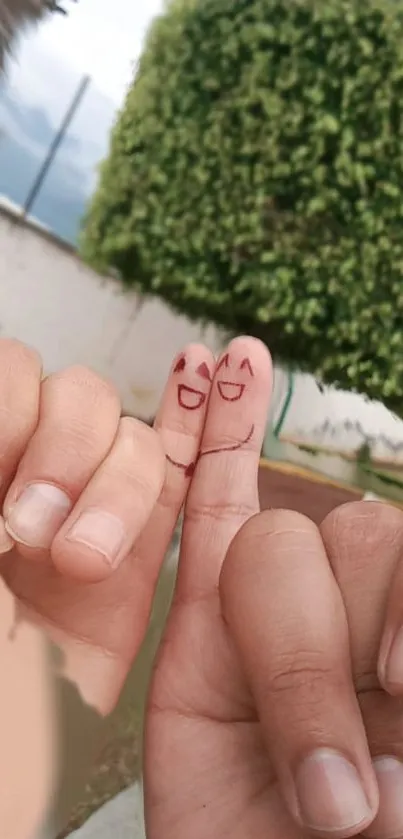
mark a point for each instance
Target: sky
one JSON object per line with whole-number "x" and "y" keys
{"x": 102, "y": 38}
{"x": 99, "y": 37}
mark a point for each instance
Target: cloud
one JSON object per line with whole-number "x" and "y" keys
{"x": 100, "y": 37}
{"x": 29, "y": 85}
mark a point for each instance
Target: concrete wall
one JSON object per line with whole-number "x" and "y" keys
{"x": 50, "y": 300}
{"x": 336, "y": 421}
{"x": 53, "y": 302}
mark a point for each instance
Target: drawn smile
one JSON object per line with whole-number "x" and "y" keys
{"x": 232, "y": 448}
{"x": 189, "y": 468}
{"x": 230, "y": 391}
{"x": 190, "y": 398}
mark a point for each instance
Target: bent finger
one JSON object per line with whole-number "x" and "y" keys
{"x": 287, "y": 618}
{"x": 179, "y": 424}
{"x": 224, "y": 491}
{"x": 114, "y": 507}
{"x": 78, "y": 419}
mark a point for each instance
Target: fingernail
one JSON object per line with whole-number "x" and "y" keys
{"x": 330, "y": 793}
{"x": 37, "y": 515}
{"x": 100, "y": 531}
{"x": 389, "y": 820}
{"x": 394, "y": 663}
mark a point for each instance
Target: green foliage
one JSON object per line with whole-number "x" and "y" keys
{"x": 308, "y": 450}
{"x": 255, "y": 179}
{"x": 364, "y": 454}
{"x": 388, "y": 479}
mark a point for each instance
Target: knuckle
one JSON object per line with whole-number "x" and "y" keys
{"x": 372, "y": 513}
{"x": 138, "y": 430}
{"x": 354, "y": 531}
{"x": 77, "y": 443}
{"x": 219, "y": 511}
{"x": 16, "y": 356}
{"x": 134, "y": 438}
{"x": 143, "y": 437}
{"x": 81, "y": 378}
{"x": 269, "y": 525}
{"x": 301, "y": 672}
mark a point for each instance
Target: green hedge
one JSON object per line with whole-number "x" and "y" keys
{"x": 255, "y": 179}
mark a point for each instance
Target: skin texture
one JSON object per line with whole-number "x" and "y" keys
{"x": 28, "y": 754}
{"x": 279, "y": 638}
{"x": 65, "y": 435}
{"x": 242, "y": 694}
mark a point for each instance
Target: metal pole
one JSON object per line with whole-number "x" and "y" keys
{"x": 47, "y": 163}
{"x": 284, "y": 411}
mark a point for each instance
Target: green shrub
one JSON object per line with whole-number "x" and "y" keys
{"x": 255, "y": 179}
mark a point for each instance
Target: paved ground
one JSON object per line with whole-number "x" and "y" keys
{"x": 314, "y": 499}
{"x": 121, "y": 818}
{"x": 119, "y": 765}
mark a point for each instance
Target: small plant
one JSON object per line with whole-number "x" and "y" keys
{"x": 364, "y": 454}
{"x": 308, "y": 449}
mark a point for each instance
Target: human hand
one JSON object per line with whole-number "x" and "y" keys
{"x": 29, "y": 753}
{"x": 314, "y": 652}
{"x": 66, "y": 452}
{"x": 250, "y": 700}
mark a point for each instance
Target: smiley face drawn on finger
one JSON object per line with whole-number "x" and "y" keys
{"x": 190, "y": 398}
{"x": 230, "y": 390}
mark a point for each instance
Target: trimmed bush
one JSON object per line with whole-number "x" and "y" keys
{"x": 255, "y": 179}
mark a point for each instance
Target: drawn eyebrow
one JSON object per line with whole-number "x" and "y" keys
{"x": 247, "y": 365}
{"x": 180, "y": 364}
{"x": 204, "y": 372}
{"x": 224, "y": 361}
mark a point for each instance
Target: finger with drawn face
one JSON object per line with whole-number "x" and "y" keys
{"x": 179, "y": 424}
{"x": 181, "y": 417}
{"x": 224, "y": 490}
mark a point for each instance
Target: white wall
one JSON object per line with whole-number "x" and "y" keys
{"x": 336, "y": 420}
{"x": 50, "y": 300}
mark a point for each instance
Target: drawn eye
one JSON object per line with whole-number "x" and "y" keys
{"x": 204, "y": 372}
{"x": 246, "y": 365}
{"x": 180, "y": 364}
{"x": 224, "y": 362}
